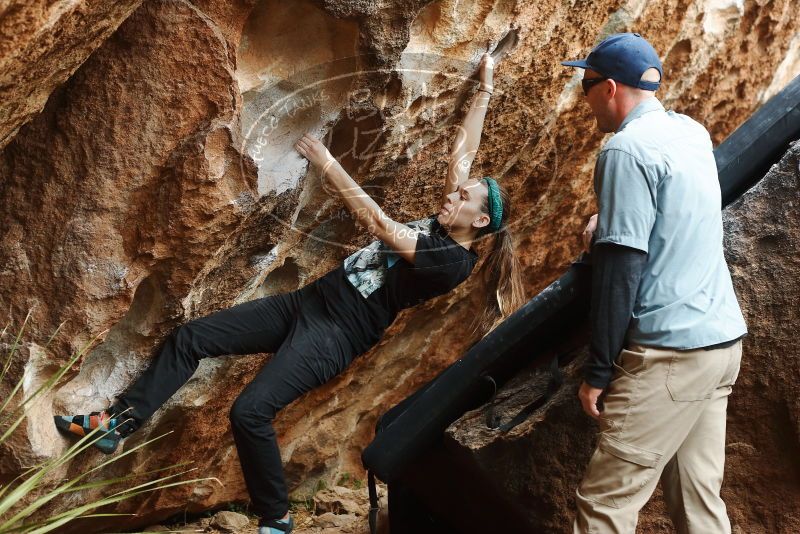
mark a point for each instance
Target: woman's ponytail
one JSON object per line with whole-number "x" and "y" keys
{"x": 501, "y": 276}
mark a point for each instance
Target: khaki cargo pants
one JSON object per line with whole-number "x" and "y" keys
{"x": 663, "y": 417}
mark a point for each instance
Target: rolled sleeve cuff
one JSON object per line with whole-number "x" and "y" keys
{"x": 625, "y": 240}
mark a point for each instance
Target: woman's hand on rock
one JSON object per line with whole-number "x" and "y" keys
{"x": 486, "y": 72}
{"x": 314, "y": 151}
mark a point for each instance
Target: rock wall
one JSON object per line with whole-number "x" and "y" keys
{"x": 42, "y": 44}
{"x": 158, "y": 184}
{"x": 537, "y": 465}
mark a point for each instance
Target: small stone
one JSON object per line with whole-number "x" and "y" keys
{"x": 340, "y": 500}
{"x": 329, "y": 520}
{"x": 229, "y": 521}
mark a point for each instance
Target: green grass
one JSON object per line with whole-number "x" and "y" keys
{"x": 349, "y": 481}
{"x": 31, "y": 490}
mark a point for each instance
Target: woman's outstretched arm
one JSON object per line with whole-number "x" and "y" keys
{"x": 468, "y": 136}
{"x": 398, "y": 236}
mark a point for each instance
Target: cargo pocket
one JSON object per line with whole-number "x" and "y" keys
{"x": 693, "y": 376}
{"x": 617, "y": 472}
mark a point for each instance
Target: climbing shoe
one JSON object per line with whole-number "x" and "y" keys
{"x": 81, "y": 425}
{"x": 276, "y": 526}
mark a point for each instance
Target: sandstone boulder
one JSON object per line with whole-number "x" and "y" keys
{"x": 147, "y": 192}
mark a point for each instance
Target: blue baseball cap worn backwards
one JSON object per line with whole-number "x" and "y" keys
{"x": 623, "y": 57}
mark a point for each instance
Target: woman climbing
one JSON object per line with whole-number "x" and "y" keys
{"x": 316, "y": 331}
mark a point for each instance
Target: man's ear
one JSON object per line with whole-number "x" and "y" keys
{"x": 611, "y": 89}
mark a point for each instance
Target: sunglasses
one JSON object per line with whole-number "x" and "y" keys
{"x": 588, "y": 83}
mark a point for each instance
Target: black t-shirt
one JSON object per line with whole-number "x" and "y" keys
{"x": 369, "y": 288}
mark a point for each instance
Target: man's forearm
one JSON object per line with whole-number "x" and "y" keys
{"x": 616, "y": 273}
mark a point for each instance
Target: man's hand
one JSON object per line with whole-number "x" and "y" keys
{"x": 589, "y": 233}
{"x": 588, "y": 396}
{"x": 312, "y": 149}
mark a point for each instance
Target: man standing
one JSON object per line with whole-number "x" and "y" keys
{"x": 666, "y": 325}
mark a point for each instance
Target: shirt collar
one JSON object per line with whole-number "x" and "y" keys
{"x": 646, "y": 106}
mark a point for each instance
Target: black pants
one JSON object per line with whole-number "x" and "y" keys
{"x": 309, "y": 348}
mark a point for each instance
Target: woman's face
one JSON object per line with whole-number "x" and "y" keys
{"x": 462, "y": 209}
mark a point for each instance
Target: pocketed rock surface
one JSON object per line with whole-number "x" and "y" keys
{"x": 147, "y": 178}
{"x": 42, "y": 44}
{"x": 538, "y": 464}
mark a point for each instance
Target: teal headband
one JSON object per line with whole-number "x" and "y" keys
{"x": 495, "y": 204}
